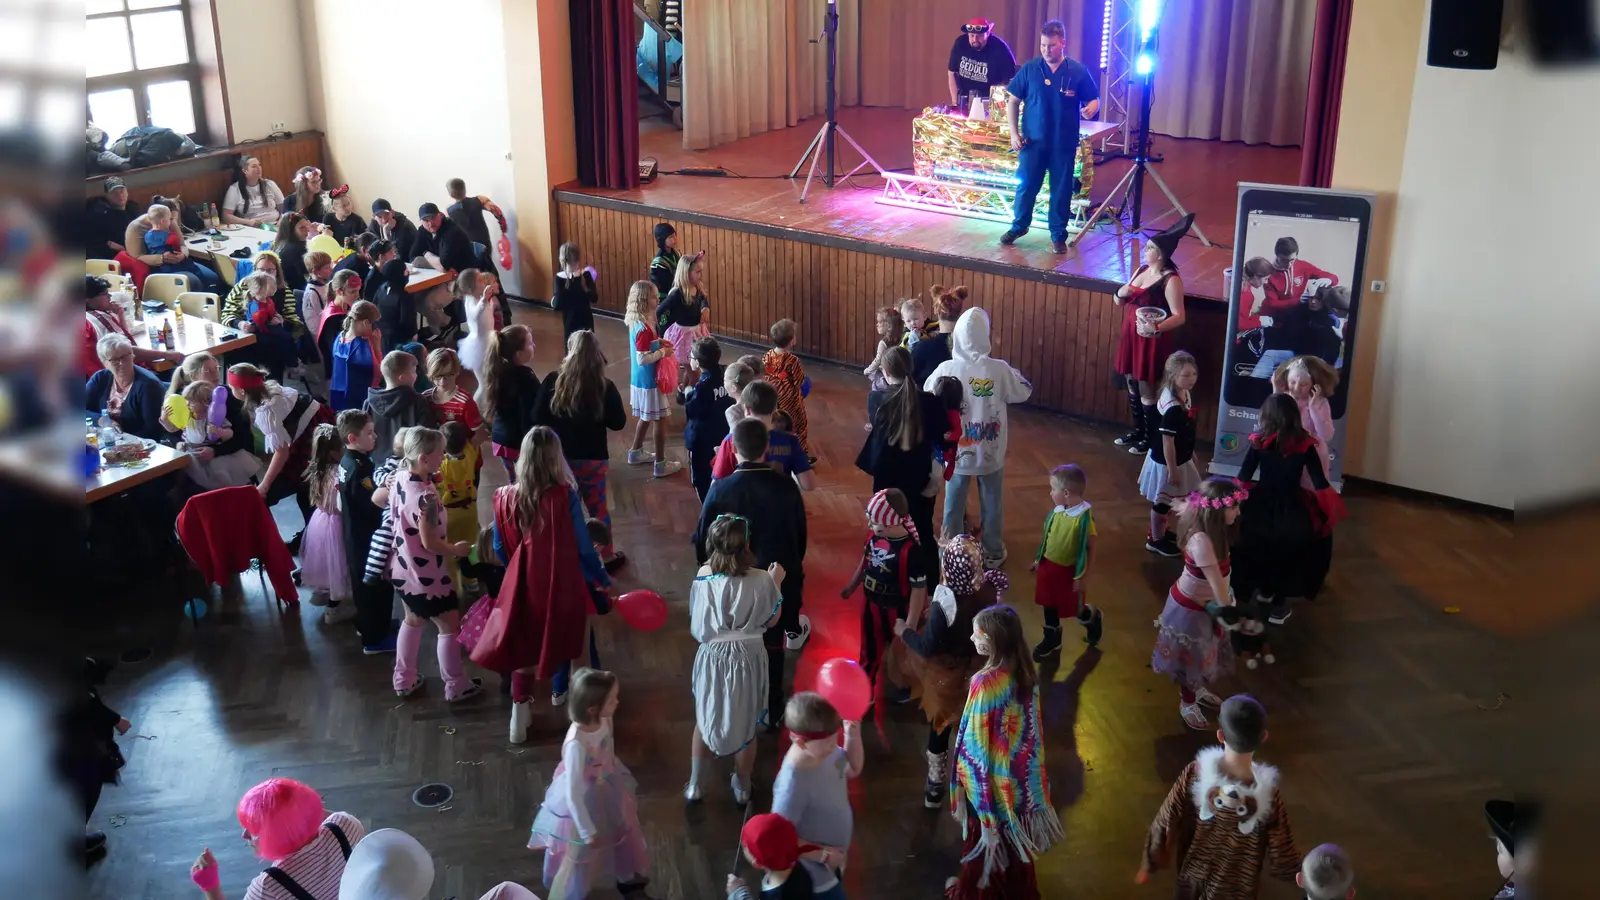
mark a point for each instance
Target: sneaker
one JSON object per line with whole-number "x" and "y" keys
{"x": 557, "y": 698}
{"x": 638, "y": 457}
{"x": 793, "y": 641}
{"x": 691, "y": 793}
{"x": 339, "y": 612}
{"x": 1139, "y": 447}
{"x": 995, "y": 562}
{"x": 741, "y": 793}
{"x": 665, "y": 467}
{"x": 521, "y": 718}
{"x": 618, "y": 560}
{"x": 1280, "y": 615}
{"x": 811, "y": 460}
{"x": 408, "y": 691}
{"x": 1165, "y": 546}
{"x": 1050, "y": 646}
{"x": 1129, "y": 439}
{"x": 384, "y": 646}
{"x": 1011, "y": 235}
{"x": 1251, "y": 663}
{"x": 1058, "y": 246}
{"x": 319, "y": 597}
{"x": 933, "y": 795}
{"x": 1204, "y": 697}
{"x": 1268, "y": 658}
{"x": 295, "y": 577}
{"x": 473, "y": 689}
{"x": 1194, "y": 716}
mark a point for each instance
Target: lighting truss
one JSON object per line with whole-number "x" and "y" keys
{"x": 1119, "y": 89}
{"x": 991, "y": 199}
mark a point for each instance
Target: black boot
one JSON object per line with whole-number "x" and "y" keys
{"x": 1092, "y": 627}
{"x": 1050, "y": 646}
{"x": 1136, "y": 429}
{"x": 1149, "y": 418}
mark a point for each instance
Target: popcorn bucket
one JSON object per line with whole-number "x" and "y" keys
{"x": 1149, "y": 317}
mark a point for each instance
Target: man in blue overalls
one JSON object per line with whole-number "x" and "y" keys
{"x": 1055, "y": 90}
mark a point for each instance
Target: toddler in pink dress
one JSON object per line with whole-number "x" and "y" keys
{"x": 588, "y": 825}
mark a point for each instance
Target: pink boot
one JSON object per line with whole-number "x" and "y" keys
{"x": 406, "y": 646}
{"x": 456, "y": 684}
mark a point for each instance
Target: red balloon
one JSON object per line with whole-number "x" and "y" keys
{"x": 504, "y": 247}
{"x": 846, "y": 685}
{"x": 644, "y": 610}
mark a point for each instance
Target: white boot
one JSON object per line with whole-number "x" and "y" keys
{"x": 521, "y": 718}
{"x": 938, "y": 774}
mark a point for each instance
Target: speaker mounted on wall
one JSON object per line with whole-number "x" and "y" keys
{"x": 1464, "y": 34}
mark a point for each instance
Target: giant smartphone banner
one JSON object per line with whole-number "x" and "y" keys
{"x": 1299, "y": 259}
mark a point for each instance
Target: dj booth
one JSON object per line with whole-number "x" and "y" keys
{"x": 963, "y": 165}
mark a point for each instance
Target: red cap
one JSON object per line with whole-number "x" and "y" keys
{"x": 979, "y": 25}
{"x": 772, "y": 843}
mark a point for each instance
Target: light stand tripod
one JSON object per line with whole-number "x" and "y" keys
{"x": 1129, "y": 192}
{"x": 824, "y": 143}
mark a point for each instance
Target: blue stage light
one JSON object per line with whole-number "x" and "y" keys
{"x": 1144, "y": 64}
{"x": 1149, "y": 13}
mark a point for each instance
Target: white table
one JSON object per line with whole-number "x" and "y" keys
{"x": 214, "y": 251}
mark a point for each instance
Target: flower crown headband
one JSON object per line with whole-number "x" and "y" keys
{"x": 1227, "y": 501}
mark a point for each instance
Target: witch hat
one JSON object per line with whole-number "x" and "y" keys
{"x": 1168, "y": 240}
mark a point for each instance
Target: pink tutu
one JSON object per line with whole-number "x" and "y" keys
{"x": 322, "y": 560}
{"x": 683, "y": 339}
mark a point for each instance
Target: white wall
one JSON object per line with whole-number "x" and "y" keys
{"x": 263, "y": 63}
{"x": 446, "y": 113}
{"x": 1477, "y": 390}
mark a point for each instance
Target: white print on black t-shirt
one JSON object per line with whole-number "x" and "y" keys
{"x": 974, "y": 70}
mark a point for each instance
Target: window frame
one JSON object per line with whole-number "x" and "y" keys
{"x": 139, "y": 80}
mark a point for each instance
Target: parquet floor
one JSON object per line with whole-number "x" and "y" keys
{"x": 1376, "y": 702}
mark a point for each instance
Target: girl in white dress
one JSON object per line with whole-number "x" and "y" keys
{"x": 476, "y": 291}
{"x": 731, "y": 605}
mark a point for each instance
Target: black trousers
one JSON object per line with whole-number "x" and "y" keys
{"x": 374, "y": 605}
{"x": 772, "y": 639}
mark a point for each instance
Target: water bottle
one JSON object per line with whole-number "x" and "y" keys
{"x": 108, "y": 430}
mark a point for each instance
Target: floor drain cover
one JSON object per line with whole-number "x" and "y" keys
{"x": 135, "y": 655}
{"x": 430, "y": 796}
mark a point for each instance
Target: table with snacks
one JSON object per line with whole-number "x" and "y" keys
{"x": 134, "y": 462}
{"x": 194, "y": 335}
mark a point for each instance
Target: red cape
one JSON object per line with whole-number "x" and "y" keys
{"x": 541, "y": 613}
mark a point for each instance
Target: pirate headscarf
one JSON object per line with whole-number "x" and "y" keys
{"x": 879, "y": 512}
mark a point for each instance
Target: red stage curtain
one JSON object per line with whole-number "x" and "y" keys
{"x": 1325, "y": 93}
{"x": 605, "y": 93}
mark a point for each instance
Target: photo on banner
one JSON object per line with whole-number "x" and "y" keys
{"x": 1298, "y": 264}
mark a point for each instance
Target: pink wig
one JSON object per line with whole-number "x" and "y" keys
{"x": 283, "y": 815}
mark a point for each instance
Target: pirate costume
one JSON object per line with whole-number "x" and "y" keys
{"x": 1220, "y": 833}
{"x": 891, "y": 569}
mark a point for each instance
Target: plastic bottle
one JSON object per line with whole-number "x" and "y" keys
{"x": 108, "y": 430}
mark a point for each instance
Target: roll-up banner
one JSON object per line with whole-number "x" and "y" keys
{"x": 1299, "y": 259}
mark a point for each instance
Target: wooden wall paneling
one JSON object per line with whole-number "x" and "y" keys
{"x": 1064, "y": 339}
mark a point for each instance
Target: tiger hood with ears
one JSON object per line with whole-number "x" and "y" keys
{"x": 991, "y": 385}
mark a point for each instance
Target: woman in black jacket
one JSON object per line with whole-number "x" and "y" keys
{"x": 397, "y": 306}
{"x": 293, "y": 232}
{"x": 899, "y": 450}
{"x": 581, "y": 404}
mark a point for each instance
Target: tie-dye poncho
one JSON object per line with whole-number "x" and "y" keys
{"x": 999, "y": 773}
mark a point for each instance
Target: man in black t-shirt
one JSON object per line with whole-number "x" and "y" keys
{"x": 978, "y": 61}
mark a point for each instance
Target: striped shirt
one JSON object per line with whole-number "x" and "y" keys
{"x": 316, "y": 867}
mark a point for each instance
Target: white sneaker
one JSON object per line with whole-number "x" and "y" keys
{"x": 691, "y": 793}
{"x": 1251, "y": 663}
{"x": 741, "y": 793}
{"x": 638, "y": 457}
{"x": 344, "y": 612}
{"x": 1268, "y": 658}
{"x": 795, "y": 642}
{"x": 665, "y": 467}
{"x": 557, "y": 699}
{"x": 521, "y": 718}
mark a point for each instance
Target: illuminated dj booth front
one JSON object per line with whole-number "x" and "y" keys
{"x": 963, "y": 165}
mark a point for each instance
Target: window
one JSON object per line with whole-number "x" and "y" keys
{"x": 141, "y": 67}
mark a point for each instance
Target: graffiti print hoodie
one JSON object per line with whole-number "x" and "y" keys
{"x": 990, "y": 386}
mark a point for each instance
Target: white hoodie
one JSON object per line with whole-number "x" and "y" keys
{"x": 991, "y": 385}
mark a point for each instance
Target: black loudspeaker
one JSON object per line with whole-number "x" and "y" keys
{"x": 1464, "y": 34}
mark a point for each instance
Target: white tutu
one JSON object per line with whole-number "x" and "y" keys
{"x": 480, "y": 321}
{"x": 1153, "y": 484}
{"x": 648, "y": 403}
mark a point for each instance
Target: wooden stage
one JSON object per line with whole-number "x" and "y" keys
{"x": 828, "y": 264}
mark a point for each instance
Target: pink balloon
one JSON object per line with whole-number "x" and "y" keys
{"x": 644, "y": 610}
{"x": 846, "y": 685}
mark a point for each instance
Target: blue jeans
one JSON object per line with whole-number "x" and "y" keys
{"x": 1034, "y": 161}
{"x": 558, "y": 684}
{"x": 209, "y": 280}
{"x": 1269, "y": 362}
{"x": 991, "y": 511}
